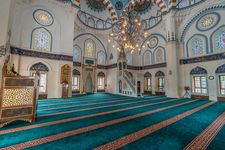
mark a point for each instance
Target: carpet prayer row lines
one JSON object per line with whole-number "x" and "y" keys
{"x": 105, "y": 121}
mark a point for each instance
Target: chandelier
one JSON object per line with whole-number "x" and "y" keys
{"x": 128, "y": 32}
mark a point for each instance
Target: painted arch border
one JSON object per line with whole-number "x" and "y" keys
{"x": 206, "y": 43}
{"x": 194, "y": 18}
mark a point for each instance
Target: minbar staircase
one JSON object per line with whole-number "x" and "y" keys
{"x": 130, "y": 80}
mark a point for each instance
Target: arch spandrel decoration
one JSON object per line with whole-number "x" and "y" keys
{"x": 218, "y": 40}
{"x": 221, "y": 69}
{"x": 159, "y": 74}
{"x": 147, "y": 75}
{"x": 198, "y": 71}
{"x": 101, "y": 74}
{"x": 76, "y": 72}
{"x": 40, "y": 67}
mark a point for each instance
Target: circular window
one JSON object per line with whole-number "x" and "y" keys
{"x": 208, "y": 21}
{"x": 43, "y": 17}
{"x": 153, "y": 42}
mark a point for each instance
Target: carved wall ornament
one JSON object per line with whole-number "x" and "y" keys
{"x": 65, "y": 74}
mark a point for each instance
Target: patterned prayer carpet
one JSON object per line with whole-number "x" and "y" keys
{"x": 105, "y": 121}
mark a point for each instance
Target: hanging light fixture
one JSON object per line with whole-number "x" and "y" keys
{"x": 128, "y": 32}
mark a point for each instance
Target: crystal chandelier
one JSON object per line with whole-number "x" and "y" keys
{"x": 128, "y": 32}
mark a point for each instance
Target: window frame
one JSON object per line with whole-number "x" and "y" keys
{"x": 193, "y": 84}
{"x": 219, "y": 84}
{"x": 147, "y": 86}
{"x": 101, "y": 87}
{"x": 78, "y": 83}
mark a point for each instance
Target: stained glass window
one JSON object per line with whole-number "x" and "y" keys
{"x": 41, "y": 39}
{"x": 89, "y": 48}
{"x": 219, "y": 40}
{"x": 197, "y": 46}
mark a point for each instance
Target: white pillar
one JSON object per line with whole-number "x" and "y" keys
{"x": 172, "y": 76}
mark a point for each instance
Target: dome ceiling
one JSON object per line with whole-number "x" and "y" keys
{"x": 97, "y": 5}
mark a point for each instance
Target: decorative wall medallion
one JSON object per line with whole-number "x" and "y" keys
{"x": 208, "y": 21}
{"x": 153, "y": 42}
{"x": 211, "y": 77}
{"x": 119, "y": 5}
{"x": 43, "y": 17}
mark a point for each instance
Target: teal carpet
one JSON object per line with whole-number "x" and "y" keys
{"x": 110, "y": 115}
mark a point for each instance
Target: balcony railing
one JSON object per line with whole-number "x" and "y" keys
{"x": 94, "y": 22}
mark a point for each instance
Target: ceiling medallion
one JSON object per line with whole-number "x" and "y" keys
{"x": 119, "y": 5}
{"x": 43, "y": 17}
{"x": 208, "y": 21}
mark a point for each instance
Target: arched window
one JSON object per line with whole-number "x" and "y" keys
{"x": 91, "y": 22}
{"x": 160, "y": 81}
{"x": 220, "y": 71}
{"x": 159, "y": 56}
{"x": 76, "y": 81}
{"x": 101, "y": 81}
{"x": 41, "y": 39}
{"x": 197, "y": 46}
{"x": 147, "y": 58}
{"x": 148, "y": 81}
{"x": 218, "y": 38}
{"x": 76, "y": 54}
{"x": 89, "y": 48}
{"x": 100, "y": 24}
{"x": 41, "y": 70}
{"x": 199, "y": 80}
{"x": 101, "y": 58}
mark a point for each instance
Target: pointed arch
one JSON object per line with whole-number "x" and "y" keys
{"x": 40, "y": 67}
{"x": 198, "y": 70}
